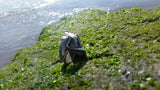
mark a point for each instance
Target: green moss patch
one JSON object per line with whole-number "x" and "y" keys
{"x": 123, "y": 52}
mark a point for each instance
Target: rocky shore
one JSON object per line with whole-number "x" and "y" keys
{"x": 123, "y": 51}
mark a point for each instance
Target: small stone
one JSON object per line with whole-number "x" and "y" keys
{"x": 148, "y": 79}
{"x": 87, "y": 45}
{"x": 119, "y": 70}
{"x": 140, "y": 72}
{"x": 128, "y": 72}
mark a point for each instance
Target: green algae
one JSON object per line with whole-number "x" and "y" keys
{"x": 123, "y": 52}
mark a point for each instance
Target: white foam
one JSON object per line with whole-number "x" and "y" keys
{"x": 50, "y": 22}
{"x": 13, "y": 7}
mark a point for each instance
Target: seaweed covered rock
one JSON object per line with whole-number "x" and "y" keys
{"x": 123, "y": 48}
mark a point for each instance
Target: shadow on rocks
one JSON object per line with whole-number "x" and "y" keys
{"x": 75, "y": 66}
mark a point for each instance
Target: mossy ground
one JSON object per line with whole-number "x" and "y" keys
{"x": 123, "y": 51}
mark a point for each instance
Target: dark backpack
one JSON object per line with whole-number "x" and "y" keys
{"x": 71, "y": 48}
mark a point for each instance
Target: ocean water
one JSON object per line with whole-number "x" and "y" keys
{"x": 21, "y": 21}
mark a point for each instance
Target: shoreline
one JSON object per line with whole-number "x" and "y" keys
{"x": 116, "y": 54}
{"x": 6, "y": 58}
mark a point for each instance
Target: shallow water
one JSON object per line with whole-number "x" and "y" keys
{"x": 21, "y": 21}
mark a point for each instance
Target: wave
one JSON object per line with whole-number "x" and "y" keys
{"x": 35, "y": 7}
